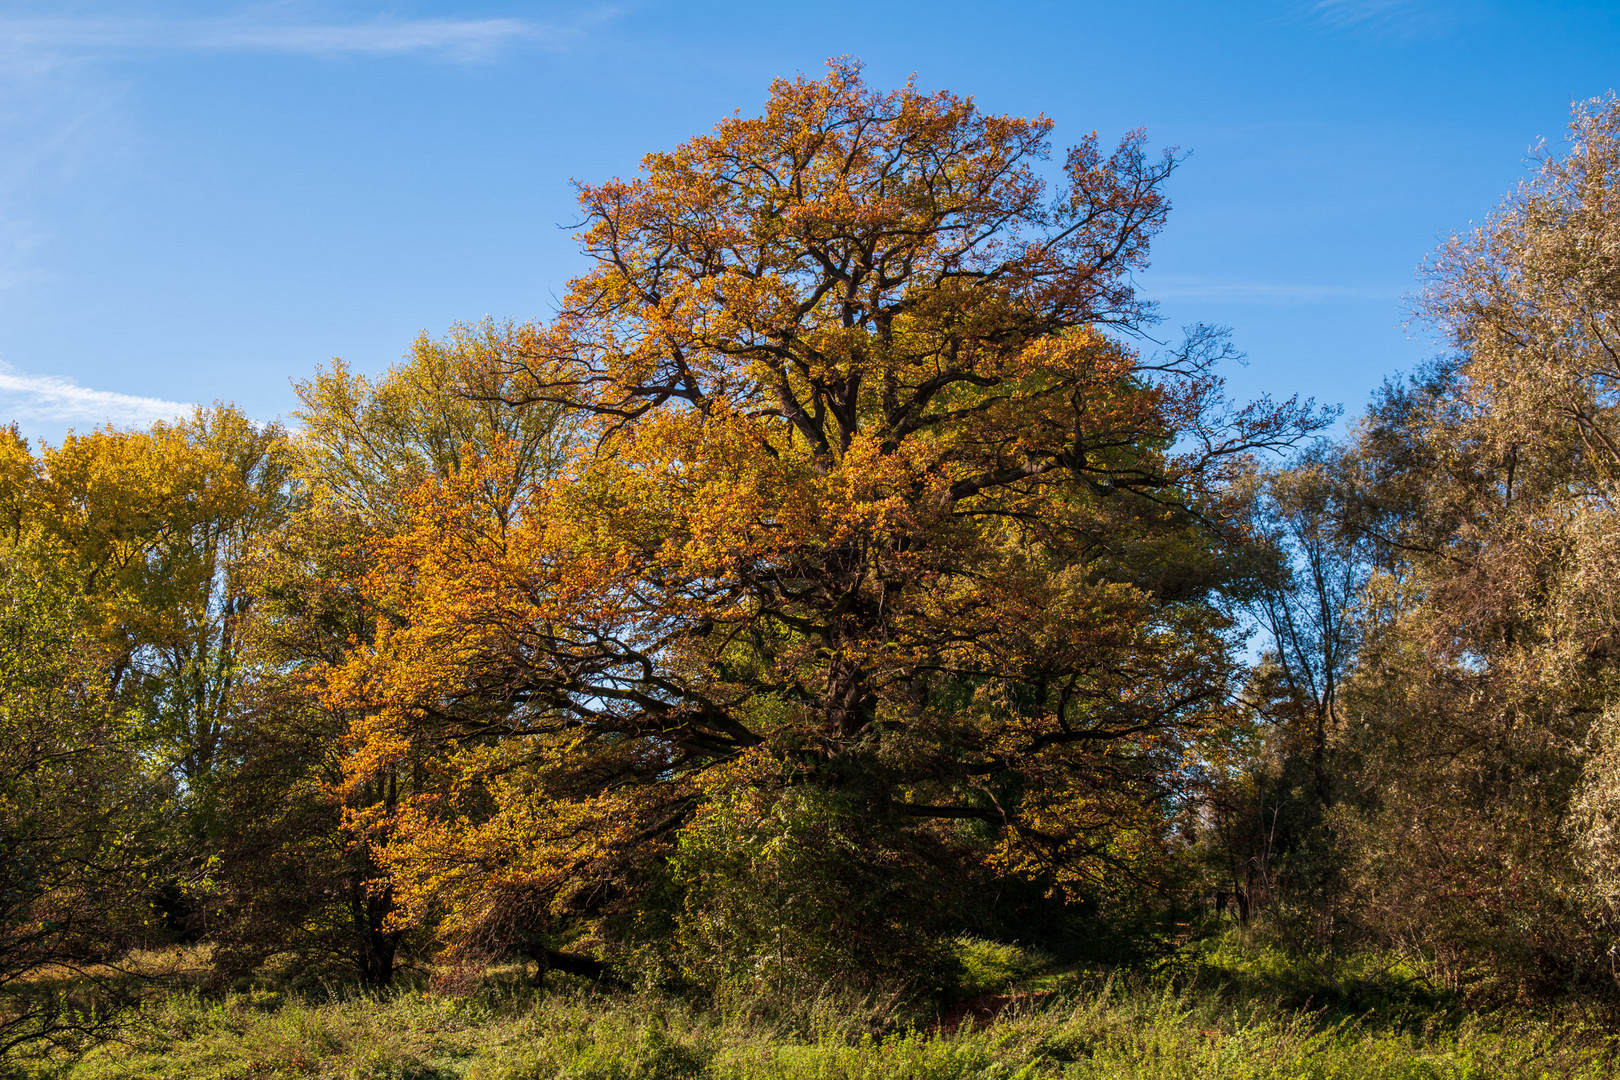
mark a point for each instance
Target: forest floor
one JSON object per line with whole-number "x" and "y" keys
{"x": 1065, "y": 1025}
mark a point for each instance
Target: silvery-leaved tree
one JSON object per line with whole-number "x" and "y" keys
{"x": 1491, "y": 484}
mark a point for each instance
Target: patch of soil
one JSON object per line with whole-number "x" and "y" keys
{"x": 980, "y": 1011}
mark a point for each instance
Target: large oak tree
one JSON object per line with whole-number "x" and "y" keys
{"x": 871, "y": 498}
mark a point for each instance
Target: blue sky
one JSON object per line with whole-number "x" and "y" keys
{"x": 206, "y": 201}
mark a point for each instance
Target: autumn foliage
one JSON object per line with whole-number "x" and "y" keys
{"x": 844, "y": 568}
{"x": 869, "y": 496}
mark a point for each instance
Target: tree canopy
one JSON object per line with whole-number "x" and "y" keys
{"x": 866, "y": 497}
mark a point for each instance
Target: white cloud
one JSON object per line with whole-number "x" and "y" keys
{"x": 462, "y": 39}
{"x": 47, "y": 399}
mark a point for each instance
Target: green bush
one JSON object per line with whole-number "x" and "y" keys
{"x": 796, "y": 890}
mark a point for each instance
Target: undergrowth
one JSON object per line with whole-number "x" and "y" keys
{"x": 1230, "y": 1006}
{"x": 1098, "y": 1029}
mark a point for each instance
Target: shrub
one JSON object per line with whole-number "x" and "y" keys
{"x": 797, "y": 889}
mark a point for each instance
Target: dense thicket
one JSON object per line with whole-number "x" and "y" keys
{"x": 834, "y": 576}
{"x": 1461, "y": 761}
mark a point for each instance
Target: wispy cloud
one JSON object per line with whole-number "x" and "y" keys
{"x": 463, "y": 39}
{"x": 47, "y": 399}
{"x": 1397, "y": 18}
{"x": 62, "y": 109}
{"x": 1351, "y": 12}
{"x": 1217, "y": 290}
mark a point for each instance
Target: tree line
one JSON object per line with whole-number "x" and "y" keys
{"x": 843, "y": 568}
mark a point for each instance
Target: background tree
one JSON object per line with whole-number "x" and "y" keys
{"x": 147, "y": 533}
{"x": 296, "y": 877}
{"x": 1267, "y": 800}
{"x": 1489, "y": 482}
{"x": 1306, "y": 606}
{"x": 77, "y": 829}
{"x": 155, "y": 527}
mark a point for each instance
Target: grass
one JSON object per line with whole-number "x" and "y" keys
{"x": 1090, "y": 1028}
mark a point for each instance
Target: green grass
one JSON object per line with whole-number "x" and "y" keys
{"x": 1091, "y": 1029}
